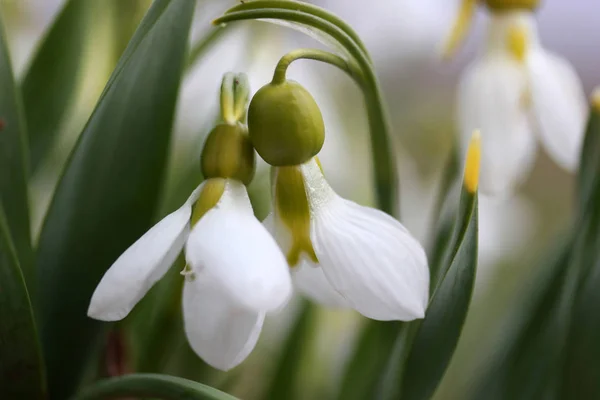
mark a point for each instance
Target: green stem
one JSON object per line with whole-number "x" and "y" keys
{"x": 318, "y": 55}
{"x": 151, "y": 385}
{"x": 382, "y": 152}
{"x": 203, "y": 46}
{"x": 303, "y": 8}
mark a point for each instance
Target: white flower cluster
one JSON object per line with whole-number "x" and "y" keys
{"x": 518, "y": 94}
{"x": 335, "y": 251}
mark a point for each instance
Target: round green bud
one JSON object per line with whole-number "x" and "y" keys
{"x": 228, "y": 153}
{"x": 285, "y": 124}
{"x": 507, "y": 5}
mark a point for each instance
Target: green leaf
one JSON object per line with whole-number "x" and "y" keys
{"x": 425, "y": 347}
{"x": 21, "y": 367}
{"x": 50, "y": 84}
{"x": 525, "y": 364}
{"x": 439, "y": 332}
{"x": 13, "y": 162}
{"x": 582, "y": 367}
{"x": 445, "y": 217}
{"x": 151, "y": 385}
{"x": 284, "y": 382}
{"x": 108, "y": 194}
{"x": 589, "y": 169}
{"x": 370, "y": 356}
{"x": 553, "y": 351}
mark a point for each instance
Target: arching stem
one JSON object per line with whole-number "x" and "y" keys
{"x": 318, "y": 55}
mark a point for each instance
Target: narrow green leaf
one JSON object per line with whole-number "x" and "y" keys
{"x": 21, "y": 369}
{"x": 151, "y": 385}
{"x": 13, "y": 162}
{"x": 50, "y": 84}
{"x": 127, "y": 16}
{"x": 370, "y": 356}
{"x": 589, "y": 169}
{"x": 424, "y": 348}
{"x": 525, "y": 363}
{"x": 447, "y": 203}
{"x": 582, "y": 367}
{"x": 388, "y": 386}
{"x": 284, "y": 382}
{"x": 108, "y": 194}
{"x": 438, "y": 333}
{"x": 556, "y": 336}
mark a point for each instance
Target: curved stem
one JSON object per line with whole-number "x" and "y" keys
{"x": 318, "y": 55}
{"x": 383, "y": 162}
{"x": 151, "y": 385}
{"x": 304, "y": 8}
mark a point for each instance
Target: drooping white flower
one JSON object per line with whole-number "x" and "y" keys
{"x": 235, "y": 272}
{"x": 518, "y": 93}
{"x": 343, "y": 254}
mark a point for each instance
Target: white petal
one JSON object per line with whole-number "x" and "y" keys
{"x": 372, "y": 260}
{"x": 307, "y": 277}
{"x": 559, "y": 105}
{"x": 220, "y": 332}
{"x": 493, "y": 98}
{"x": 141, "y": 265}
{"x": 281, "y": 234}
{"x": 232, "y": 246}
{"x": 311, "y": 281}
{"x": 366, "y": 255}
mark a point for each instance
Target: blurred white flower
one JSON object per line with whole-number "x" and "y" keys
{"x": 344, "y": 254}
{"x": 413, "y": 27}
{"x": 506, "y": 228}
{"x": 235, "y": 272}
{"x": 517, "y": 93}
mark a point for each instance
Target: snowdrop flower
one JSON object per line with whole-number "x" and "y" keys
{"x": 235, "y": 271}
{"x": 517, "y": 93}
{"x": 341, "y": 253}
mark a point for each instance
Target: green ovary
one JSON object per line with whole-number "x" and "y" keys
{"x": 293, "y": 210}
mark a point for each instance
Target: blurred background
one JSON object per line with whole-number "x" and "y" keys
{"x": 404, "y": 39}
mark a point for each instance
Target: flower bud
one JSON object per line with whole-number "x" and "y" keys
{"x": 285, "y": 124}
{"x": 506, "y": 5}
{"x": 228, "y": 153}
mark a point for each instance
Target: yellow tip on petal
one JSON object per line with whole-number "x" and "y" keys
{"x": 460, "y": 28}
{"x": 596, "y": 99}
{"x": 472, "y": 164}
{"x": 517, "y": 42}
